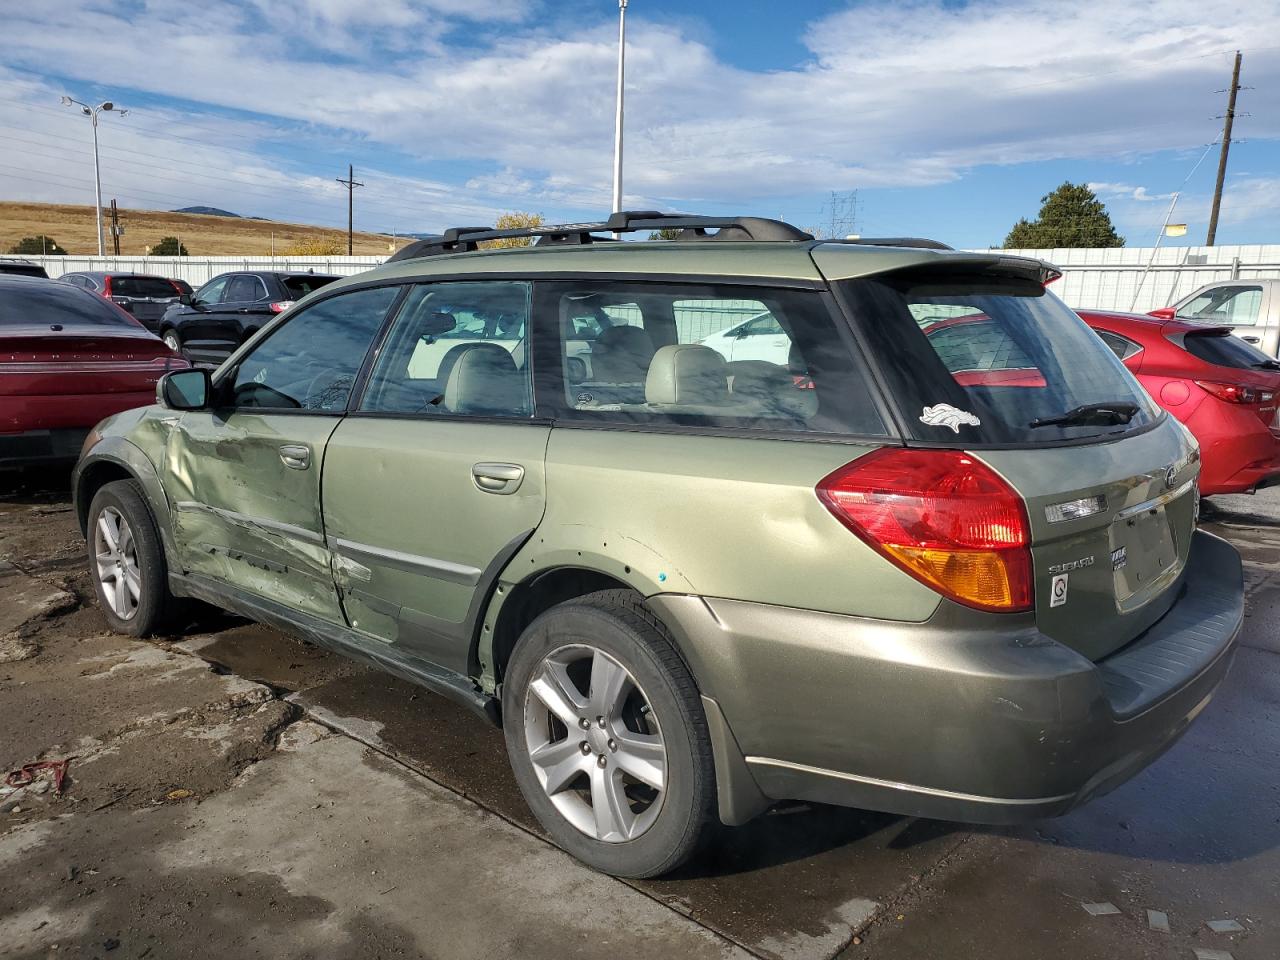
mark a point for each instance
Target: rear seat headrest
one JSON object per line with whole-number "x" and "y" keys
{"x": 687, "y": 373}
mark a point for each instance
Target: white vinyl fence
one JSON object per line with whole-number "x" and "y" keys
{"x": 199, "y": 270}
{"x": 1101, "y": 278}
{"x": 1117, "y": 278}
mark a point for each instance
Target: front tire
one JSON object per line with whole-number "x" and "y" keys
{"x": 607, "y": 738}
{"x": 126, "y": 562}
{"x": 172, "y": 341}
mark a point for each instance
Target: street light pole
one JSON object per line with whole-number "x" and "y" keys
{"x": 617, "y": 120}
{"x": 97, "y": 184}
{"x": 92, "y": 114}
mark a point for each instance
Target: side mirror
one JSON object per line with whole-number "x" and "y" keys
{"x": 185, "y": 299}
{"x": 184, "y": 390}
{"x": 1164, "y": 313}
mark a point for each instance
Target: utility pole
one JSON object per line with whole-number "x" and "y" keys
{"x": 115, "y": 227}
{"x": 1226, "y": 147}
{"x": 617, "y": 119}
{"x": 350, "y": 183}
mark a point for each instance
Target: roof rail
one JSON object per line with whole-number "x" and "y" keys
{"x": 921, "y": 242}
{"x": 467, "y": 239}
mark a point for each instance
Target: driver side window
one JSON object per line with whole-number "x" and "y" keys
{"x": 311, "y": 361}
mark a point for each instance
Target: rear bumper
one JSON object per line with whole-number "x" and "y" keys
{"x": 967, "y": 716}
{"x": 1238, "y": 452}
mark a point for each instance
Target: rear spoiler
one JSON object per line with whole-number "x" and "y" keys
{"x": 993, "y": 265}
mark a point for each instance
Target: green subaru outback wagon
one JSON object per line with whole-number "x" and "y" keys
{"x": 703, "y": 524}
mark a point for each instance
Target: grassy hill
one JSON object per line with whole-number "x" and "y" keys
{"x": 73, "y": 227}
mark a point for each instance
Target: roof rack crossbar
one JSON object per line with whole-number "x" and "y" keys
{"x": 467, "y": 239}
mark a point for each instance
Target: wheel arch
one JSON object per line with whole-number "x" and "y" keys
{"x": 115, "y": 458}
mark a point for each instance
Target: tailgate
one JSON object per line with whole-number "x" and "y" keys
{"x": 1111, "y": 525}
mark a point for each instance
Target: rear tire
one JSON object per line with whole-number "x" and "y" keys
{"x": 127, "y": 563}
{"x": 172, "y": 341}
{"x": 607, "y": 738}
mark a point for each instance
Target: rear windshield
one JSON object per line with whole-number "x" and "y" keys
{"x": 1223, "y": 349}
{"x": 302, "y": 284}
{"x": 57, "y": 303}
{"x": 154, "y": 287}
{"x": 983, "y": 361}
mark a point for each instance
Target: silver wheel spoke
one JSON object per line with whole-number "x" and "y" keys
{"x": 120, "y": 600}
{"x": 558, "y": 694}
{"x": 614, "y": 818}
{"x": 134, "y": 584}
{"x": 643, "y": 756}
{"x": 110, "y": 537}
{"x": 608, "y": 681}
{"x": 559, "y": 763}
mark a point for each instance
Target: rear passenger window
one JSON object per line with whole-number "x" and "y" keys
{"x": 245, "y": 289}
{"x": 456, "y": 348}
{"x": 660, "y": 354}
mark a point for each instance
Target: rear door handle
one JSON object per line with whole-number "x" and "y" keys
{"x": 1252, "y": 339}
{"x": 295, "y": 456}
{"x": 500, "y": 478}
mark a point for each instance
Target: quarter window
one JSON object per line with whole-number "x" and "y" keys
{"x": 311, "y": 361}
{"x": 456, "y": 348}
{"x": 694, "y": 355}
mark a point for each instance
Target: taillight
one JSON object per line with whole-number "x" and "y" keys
{"x": 106, "y": 287}
{"x": 281, "y": 305}
{"x": 1232, "y": 392}
{"x": 944, "y": 517}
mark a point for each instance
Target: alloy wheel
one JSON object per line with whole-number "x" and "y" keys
{"x": 595, "y": 743}
{"x": 116, "y": 553}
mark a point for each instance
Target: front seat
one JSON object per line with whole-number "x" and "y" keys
{"x": 484, "y": 379}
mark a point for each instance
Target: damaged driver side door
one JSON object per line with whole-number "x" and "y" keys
{"x": 243, "y": 477}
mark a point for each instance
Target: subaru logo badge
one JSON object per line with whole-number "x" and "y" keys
{"x": 1170, "y": 476}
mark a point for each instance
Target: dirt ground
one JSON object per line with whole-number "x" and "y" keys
{"x": 234, "y": 791}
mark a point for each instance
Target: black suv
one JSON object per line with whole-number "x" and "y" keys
{"x": 208, "y": 325}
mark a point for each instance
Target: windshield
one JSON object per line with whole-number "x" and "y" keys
{"x": 982, "y": 361}
{"x": 1225, "y": 350}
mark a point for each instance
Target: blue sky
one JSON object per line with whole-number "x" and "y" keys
{"x": 950, "y": 119}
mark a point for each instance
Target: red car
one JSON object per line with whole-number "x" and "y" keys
{"x": 68, "y": 358}
{"x": 1222, "y": 388}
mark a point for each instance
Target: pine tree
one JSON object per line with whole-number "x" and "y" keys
{"x": 1071, "y": 216}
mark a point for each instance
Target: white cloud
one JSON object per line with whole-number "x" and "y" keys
{"x": 895, "y": 94}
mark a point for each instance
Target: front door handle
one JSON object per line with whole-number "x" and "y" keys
{"x": 295, "y": 456}
{"x": 500, "y": 478}
{"x": 1252, "y": 339}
